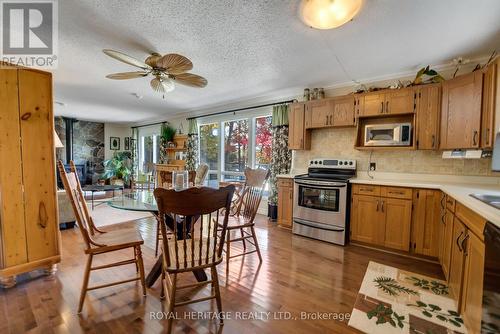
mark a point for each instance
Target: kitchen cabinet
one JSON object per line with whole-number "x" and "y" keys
{"x": 285, "y": 202}
{"x": 343, "y": 111}
{"x": 319, "y": 113}
{"x": 447, "y": 242}
{"x": 427, "y": 116}
{"x": 472, "y": 294}
{"x": 298, "y": 137}
{"x": 457, "y": 260}
{"x": 426, "y": 222}
{"x": 381, "y": 216}
{"x": 387, "y": 102}
{"x": 367, "y": 221}
{"x": 490, "y": 78}
{"x": 461, "y": 111}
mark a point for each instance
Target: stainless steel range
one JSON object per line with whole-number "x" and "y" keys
{"x": 320, "y": 208}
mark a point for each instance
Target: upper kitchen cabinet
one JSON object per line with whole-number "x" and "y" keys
{"x": 298, "y": 137}
{"x": 387, "y": 102}
{"x": 461, "y": 111}
{"x": 490, "y": 78}
{"x": 319, "y": 113}
{"x": 428, "y": 100}
{"x": 343, "y": 111}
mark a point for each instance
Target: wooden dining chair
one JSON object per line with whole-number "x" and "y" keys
{"x": 98, "y": 242}
{"x": 164, "y": 180}
{"x": 243, "y": 220}
{"x": 194, "y": 243}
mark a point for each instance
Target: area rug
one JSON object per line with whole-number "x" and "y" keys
{"x": 104, "y": 215}
{"x": 392, "y": 300}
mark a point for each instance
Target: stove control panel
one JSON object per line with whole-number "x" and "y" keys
{"x": 333, "y": 163}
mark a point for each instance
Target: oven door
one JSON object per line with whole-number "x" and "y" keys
{"x": 320, "y": 201}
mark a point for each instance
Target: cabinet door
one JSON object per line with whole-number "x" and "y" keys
{"x": 461, "y": 111}
{"x": 297, "y": 137}
{"x": 285, "y": 203}
{"x": 457, "y": 259}
{"x": 428, "y": 108}
{"x": 38, "y": 156}
{"x": 343, "y": 111}
{"x": 372, "y": 105}
{"x": 447, "y": 243}
{"x": 400, "y": 101}
{"x": 489, "y": 105}
{"x": 367, "y": 221}
{"x": 397, "y": 214}
{"x": 320, "y": 113}
{"x": 472, "y": 295}
{"x": 426, "y": 222}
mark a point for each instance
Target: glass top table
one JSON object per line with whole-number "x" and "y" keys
{"x": 141, "y": 200}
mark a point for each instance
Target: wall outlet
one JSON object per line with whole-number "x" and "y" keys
{"x": 373, "y": 166}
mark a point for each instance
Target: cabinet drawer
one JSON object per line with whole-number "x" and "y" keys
{"x": 396, "y": 192}
{"x": 285, "y": 182}
{"x": 364, "y": 189}
{"x": 450, "y": 203}
{"x": 472, "y": 220}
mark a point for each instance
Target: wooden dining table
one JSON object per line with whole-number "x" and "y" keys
{"x": 144, "y": 201}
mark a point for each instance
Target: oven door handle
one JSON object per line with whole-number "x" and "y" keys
{"x": 316, "y": 225}
{"x": 322, "y": 185}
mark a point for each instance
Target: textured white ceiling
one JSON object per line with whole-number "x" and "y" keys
{"x": 251, "y": 49}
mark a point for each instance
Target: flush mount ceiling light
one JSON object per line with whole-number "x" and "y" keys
{"x": 328, "y": 14}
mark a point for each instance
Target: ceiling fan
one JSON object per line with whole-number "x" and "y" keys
{"x": 167, "y": 70}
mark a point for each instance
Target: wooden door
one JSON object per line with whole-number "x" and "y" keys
{"x": 457, "y": 259}
{"x": 372, "y": 105}
{"x": 427, "y": 119}
{"x": 400, "y": 101}
{"x": 285, "y": 203}
{"x": 367, "y": 221}
{"x": 319, "y": 113}
{"x": 397, "y": 215}
{"x": 461, "y": 111}
{"x": 472, "y": 295}
{"x": 343, "y": 111}
{"x": 38, "y": 156}
{"x": 447, "y": 243}
{"x": 13, "y": 232}
{"x": 426, "y": 222}
{"x": 297, "y": 137}
{"x": 489, "y": 105}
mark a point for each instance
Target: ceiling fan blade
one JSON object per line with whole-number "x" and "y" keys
{"x": 192, "y": 80}
{"x": 126, "y": 59}
{"x": 174, "y": 63}
{"x": 126, "y": 75}
{"x": 162, "y": 85}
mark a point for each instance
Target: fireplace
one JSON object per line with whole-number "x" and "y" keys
{"x": 81, "y": 171}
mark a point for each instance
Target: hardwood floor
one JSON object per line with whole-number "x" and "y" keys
{"x": 297, "y": 275}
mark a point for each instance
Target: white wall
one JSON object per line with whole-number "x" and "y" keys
{"x": 115, "y": 130}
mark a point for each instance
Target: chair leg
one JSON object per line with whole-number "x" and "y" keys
{"x": 244, "y": 242}
{"x": 140, "y": 263}
{"x": 215, "y": 285}
{"x": 135, "y": 257}
{"x": 171, "y": 304}
{"x": 228, "y": 253}
{"x": 256, "y": 243}
{"x": 157, "y": 237}
{"x": 162, "y": 280}
{"x": 85, "y": 284}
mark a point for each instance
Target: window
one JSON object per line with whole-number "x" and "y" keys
{"x": 241, "y": 143}
{"x": 149, "y": 152}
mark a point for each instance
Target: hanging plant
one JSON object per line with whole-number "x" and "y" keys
{"x": 431, "y": 76}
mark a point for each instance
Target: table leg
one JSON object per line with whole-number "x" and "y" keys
{"x": 92, "y": 196}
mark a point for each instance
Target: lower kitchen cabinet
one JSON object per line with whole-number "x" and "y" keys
{"x": 397, "y": 216}
{"x": 446, "y": 242}
{"x": 367, "y": 221}
{"x": 285, "y": 202}
{"x": 457, "y": 259}
{"x": 427, "y": 222}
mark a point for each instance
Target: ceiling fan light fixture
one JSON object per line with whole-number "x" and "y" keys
{"x": 328, "y": 14}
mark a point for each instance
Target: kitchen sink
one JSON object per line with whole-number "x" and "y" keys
{"x": 492, "y": 200}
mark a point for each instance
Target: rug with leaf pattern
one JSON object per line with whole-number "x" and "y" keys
{"x": 391, "y": 300}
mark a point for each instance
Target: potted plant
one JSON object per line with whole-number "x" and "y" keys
{"x": 167, "y": 134}
{"x": 118, "y": 169}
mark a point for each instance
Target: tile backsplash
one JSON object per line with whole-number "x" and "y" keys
{"x": 339, "y": 143}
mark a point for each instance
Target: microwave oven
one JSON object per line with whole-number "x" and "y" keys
{"x": 394, "y": 134}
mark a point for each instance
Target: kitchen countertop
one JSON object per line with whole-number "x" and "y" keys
{"x": 458, "y": 189}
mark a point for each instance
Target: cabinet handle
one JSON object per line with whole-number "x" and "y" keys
{"x": 377, "y": 205}
{"x": 396, "y": 192}
{"x": 487, "y": 139}
{"x": 474, "y": 138}
{"x": 326, "y": 123}
{"x": 463, "y": 244}
{"x": 443, "y": 218}
{"x": 458, "y": 243}
{"x": 382, "y": 206}
{"x": 433, "y": 141}
{"x": 382, "y": 107}
{"x": 387, "y": 107}
{"x": 366, "y": 189}
{"x": 331, "y": 121}
{"x": 442, "y": 201}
